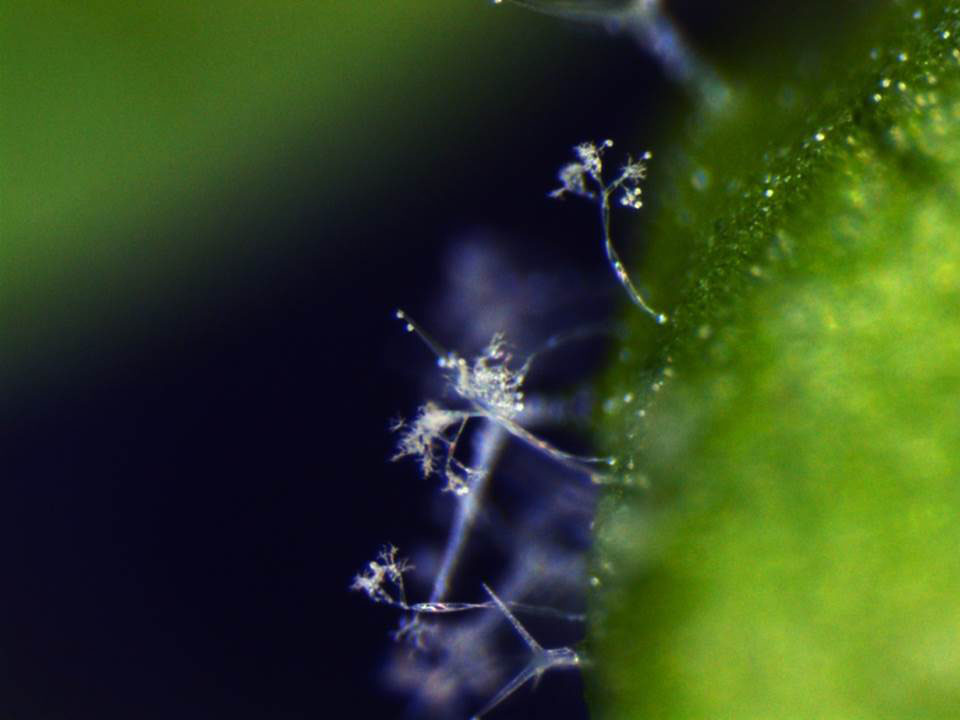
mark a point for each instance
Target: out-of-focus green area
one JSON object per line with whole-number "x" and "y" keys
{"x": 784, "y": 543}
{"x": 129, "y": 132}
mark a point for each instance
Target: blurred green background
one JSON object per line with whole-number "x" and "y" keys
{"x": 139, "y": 141}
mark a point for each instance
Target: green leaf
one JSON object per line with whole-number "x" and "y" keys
{"x": 784, "y": 541}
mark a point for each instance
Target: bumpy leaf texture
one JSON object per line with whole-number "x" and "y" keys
{"x": 785, "y": 540}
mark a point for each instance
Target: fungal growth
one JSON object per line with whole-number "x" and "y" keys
{"x": 452, "y": 661}
{"x": 462, "y": 440}
{"x": 451, "y": 666}
{"x": 491, "y": 391}
{"x": 542, "y": 660}
{"x": 653, "y": 29}
{"x": 382, "y": 582}
{"x": 584, "y": 178}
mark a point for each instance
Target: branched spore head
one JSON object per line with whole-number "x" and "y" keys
{"x": 489, "y": 381}
{"x": 382, "y": 579}
{"x": 577, "y": 177}
{"x": 424, "y": 437}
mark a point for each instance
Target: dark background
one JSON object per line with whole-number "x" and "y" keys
{"x": 187, "y": 497}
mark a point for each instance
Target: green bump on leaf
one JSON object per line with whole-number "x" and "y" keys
{"x": 786, "y": 539}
